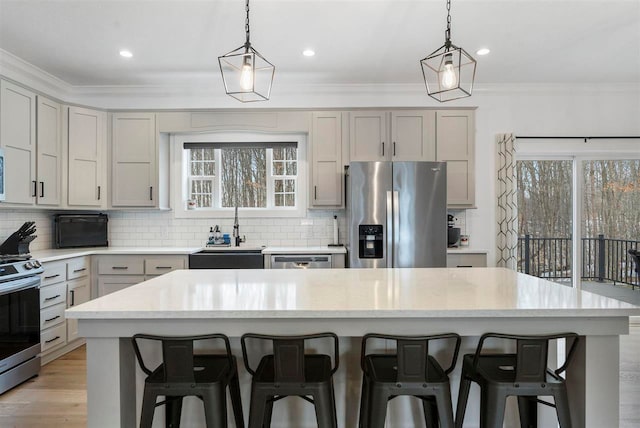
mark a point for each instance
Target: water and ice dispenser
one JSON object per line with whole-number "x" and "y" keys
{"x": 370, "y": 241}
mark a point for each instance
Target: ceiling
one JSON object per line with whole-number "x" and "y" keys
{"x": 356, "y": 41}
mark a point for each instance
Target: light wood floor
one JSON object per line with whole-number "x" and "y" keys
{"x": 57, "y": 398}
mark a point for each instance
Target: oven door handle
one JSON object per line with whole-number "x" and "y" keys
{"x": 19, "y": 285}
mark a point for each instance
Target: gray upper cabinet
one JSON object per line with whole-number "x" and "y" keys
{"x": 456, "y": 145}
{"x": 18, "y": 139}
{"x": 400, "y": 135}
{"x": 49, "y": 151}
{"x": 86, "y": 180}
{"x": 326, "y": 165}
{"x": 134, "y": 164}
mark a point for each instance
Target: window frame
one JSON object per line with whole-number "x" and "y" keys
{"x": 180, "y": 189}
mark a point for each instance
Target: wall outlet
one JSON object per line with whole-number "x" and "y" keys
{"x": 306, "y": 222}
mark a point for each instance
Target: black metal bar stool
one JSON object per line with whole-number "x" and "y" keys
{"x": 410, "y": 371}
{"x": 291, "y": 372}
{"x": 183, "y": 373}
{"x": 523, "y": 374}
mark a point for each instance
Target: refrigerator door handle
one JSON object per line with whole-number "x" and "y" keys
{"x": 396, "y": 226}
{"x": 389, "y": 235}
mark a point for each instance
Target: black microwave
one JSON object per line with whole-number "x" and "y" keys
{"x": 81, "y": 230}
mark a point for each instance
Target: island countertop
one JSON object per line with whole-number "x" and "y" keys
{"x": 349, "y": 293}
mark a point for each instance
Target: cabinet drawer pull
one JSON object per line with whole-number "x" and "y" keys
{"x": 46, "y": 299}
{"x": 51, "y": 340}
{"x": 51, "y": 319}
{"x": 52, "y": 276}
{"x": 464, "y": 266}
{"x": 119, "y": 267}
{"x": 163, "y": 267}
{"x": 79, "y": 270}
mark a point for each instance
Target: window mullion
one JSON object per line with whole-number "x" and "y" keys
{"x": 270, "y": 180}
{"x": 217, "y": 179}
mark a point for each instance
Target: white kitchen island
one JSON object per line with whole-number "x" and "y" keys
{"x": 351, "y": 303}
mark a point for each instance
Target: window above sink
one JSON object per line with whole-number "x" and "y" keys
{"x": 264, "y": 174}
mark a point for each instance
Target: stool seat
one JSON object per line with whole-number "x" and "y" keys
{"x": 289, "y": 371}
{"x": 410, "y": 371}
{"x": 523, "y": 374}
{"x": 183, "y": 373}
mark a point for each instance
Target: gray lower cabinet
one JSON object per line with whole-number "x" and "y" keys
{"x": 65, "y": 283}
{"x": 116, "y": 272}
{"x": 467, "y": 260}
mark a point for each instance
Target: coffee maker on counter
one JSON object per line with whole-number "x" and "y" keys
{"x": 453, "y": 233}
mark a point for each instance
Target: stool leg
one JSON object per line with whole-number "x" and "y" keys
{"x": 215, "y": 407}
{"x": 377, "y": 407}
{"x": 325, "y": 406}
{"x": 236, "y": 399}
{"x": 445, "y": 407}
{"x": 173, "y": 411}
{"x": 492, "y": 404}
{"x": 257, "y": 408}
{"x": 364, "y": 402}
{"x": 268, "y": 413}
{"x": 148, "y": 408}
{"x": 562, "y": 408}
{"x": 463, "y": 396}
{"x": 430, "y": 411}
{"x": 528, "y": 410}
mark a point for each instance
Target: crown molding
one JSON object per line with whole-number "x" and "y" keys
{"x": 205, "y": 92}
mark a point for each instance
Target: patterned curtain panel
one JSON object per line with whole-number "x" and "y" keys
{"x": 507, "y": 212}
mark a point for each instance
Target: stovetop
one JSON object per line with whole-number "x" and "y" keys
{"x": 19, "y": 266}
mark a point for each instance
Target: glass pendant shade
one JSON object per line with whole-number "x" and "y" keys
{"x": 449, "y": 73}
{"x": 246, "y": 74}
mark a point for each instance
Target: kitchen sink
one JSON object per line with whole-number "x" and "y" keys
{"x": 227, "y": 258}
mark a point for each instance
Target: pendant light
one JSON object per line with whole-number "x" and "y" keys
{"x": 448, "y": 71}
{"x": 246, "y": 74}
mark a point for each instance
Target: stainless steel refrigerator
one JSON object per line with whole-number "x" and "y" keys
{"x": 397, "y": 214}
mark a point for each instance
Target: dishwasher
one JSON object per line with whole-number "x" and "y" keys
{"x": 301, "y": 261}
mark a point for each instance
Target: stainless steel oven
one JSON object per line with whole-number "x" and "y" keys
{"x": 19, "y": 322}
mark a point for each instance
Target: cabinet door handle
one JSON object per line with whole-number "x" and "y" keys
{"x": 464, "y": 266}
{"x": 79, "y": 270}
{"x": 35, "y": 188}
{"x": 120, "y": 267}
{"x": 46, "y": 299}
{"x": 151, "y": 193}
{"x": 98, "y": 192}
{"x": 42, "y": 189}
{"x": 394, "y": 148}
{"x": 73, "y": 297}
{"x": 52, "y": 276}
{"x": 383, "y": 149}
{"x": 51, "y": 319}
{"x": 51, "y": 340}
{"x": 315, "y": 193}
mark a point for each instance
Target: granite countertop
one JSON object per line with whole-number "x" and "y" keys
{"x": 349, "y": 293}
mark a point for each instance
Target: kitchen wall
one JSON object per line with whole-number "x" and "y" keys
{"x": 161, "y": 229}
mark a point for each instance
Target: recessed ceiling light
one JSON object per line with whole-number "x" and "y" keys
{"x": 125, "y": 53}
{"x": 308, "y": 52}
{"x": 483, "y": 51}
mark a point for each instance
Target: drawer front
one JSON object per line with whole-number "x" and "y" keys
{"x": 466, "y": 260}
{"x": 160, "y": 265}
{"x": 77, "y": 268}
{"x": 53, "y": 294}
{"x": 53, "y": 337}
{"x": 52, "y": 315}
{"x": 54, "y": 273}
{"x": 120, "y": 265}
{"x": 108, "y": 284}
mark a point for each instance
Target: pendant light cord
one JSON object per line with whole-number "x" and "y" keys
{"x": 246, "y": 27}
{"x": 447, "y": 33}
